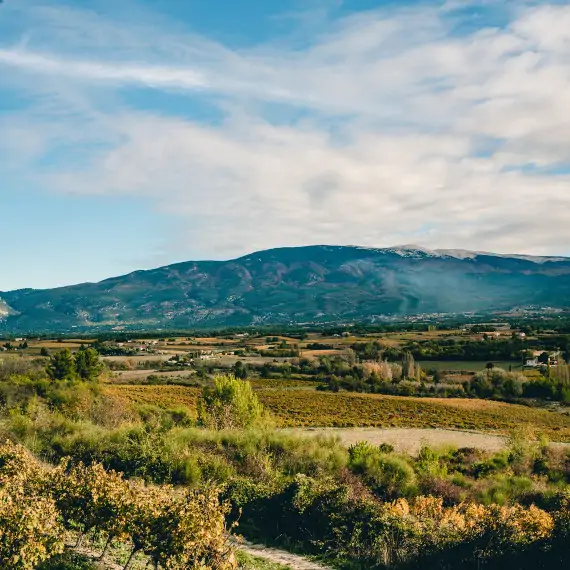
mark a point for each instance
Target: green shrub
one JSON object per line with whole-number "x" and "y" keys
{"x": 230, "y": 404}
{"x": 505, "y": 489}
{"x": 387, "y": 475}
{"x": 429, "y": 462}
{"x": 494, "y": 464}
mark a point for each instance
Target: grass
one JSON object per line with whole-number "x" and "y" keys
{"x": 297, "y": 408}
{"x": 248, "y": 562}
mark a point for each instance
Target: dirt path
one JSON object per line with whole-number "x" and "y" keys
{"x": 410, "y": 440}
{"x": 275, "y": 555}
{"x": 283, "y": 557}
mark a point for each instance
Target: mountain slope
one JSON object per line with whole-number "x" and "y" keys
{"x": 297, "y": 285}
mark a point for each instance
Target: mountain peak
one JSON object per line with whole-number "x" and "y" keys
{"x": 320, "y": 283}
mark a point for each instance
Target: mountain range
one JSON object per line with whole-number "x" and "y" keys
{"x": 296, "y": 285}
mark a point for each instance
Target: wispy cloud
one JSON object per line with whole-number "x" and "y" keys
{"x": 390, "y": 126}
{"x": 157, "y": 77}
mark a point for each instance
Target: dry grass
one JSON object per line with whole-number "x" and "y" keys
{"x": 316, "y": 353}
{"x": 53, "y": 344}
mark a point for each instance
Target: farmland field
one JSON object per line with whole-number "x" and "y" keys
{"x": 162, "y": 396}
{"x": 298, "y": 408}
{"x": 465, "y": 365}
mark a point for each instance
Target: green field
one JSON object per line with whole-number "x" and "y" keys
{"x": 465, "y": 365}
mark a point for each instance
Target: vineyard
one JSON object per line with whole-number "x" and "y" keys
{"x": 44, "y": 512}
{"x": 293, "y": 408}
{"x": 162, "y": 396}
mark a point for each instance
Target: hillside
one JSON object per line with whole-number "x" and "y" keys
{"x": 299, "y": 285}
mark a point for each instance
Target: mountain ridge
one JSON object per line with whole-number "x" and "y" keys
{"x": 297, "y": 284}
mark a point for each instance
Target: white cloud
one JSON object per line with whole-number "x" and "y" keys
{"x": 145, "y": 75}
{"x": 409, "y": 132}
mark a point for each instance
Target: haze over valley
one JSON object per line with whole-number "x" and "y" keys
{"x": 313, "y": 284}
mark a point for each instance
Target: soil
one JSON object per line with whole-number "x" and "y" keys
{"x": 282, "y": 557}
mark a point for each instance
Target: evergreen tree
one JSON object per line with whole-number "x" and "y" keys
{"x": 408, "y": 366}
{"x": 265, "y": 370}
{"x": 240, "y": 370}
{"x": 87, "y": 363}
{"x": 61, "y": 365}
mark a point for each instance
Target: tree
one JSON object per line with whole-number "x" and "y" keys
{"x": 544, "y": 358}
{"x": 408, "y": 366}
{"x": 350, "y": 356}
{"x": 87, "y": 363}
{"x": 44, "y": 351}
{"x": 265, "y": 371}
{"x": 240, "y": 370}
{"x": 61, "y": 366}
{"x": 230, "y": 404}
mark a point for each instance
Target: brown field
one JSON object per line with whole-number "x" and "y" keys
{"x": 52, "y": 344}
{"x": 317, "y": 353}
{"x": 140, "y": 375}
{"x": 162, "y": 396}
{"x": 137, "y": 358}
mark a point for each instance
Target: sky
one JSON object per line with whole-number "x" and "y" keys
{"x": 139, "y": 133}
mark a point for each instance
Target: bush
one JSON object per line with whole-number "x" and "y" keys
{"x": 387, "y": 475}
{"x": 429, "y": 462}
{"x": 231, "y": 404}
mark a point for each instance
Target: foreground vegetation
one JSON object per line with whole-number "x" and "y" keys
{"x": 40, "y": 508}
{"x": 194, "y": 462}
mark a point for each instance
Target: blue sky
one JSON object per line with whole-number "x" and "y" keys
{"x": 143, "y": 132}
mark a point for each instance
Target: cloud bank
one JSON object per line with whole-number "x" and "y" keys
{"x": 388, "y": 126}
